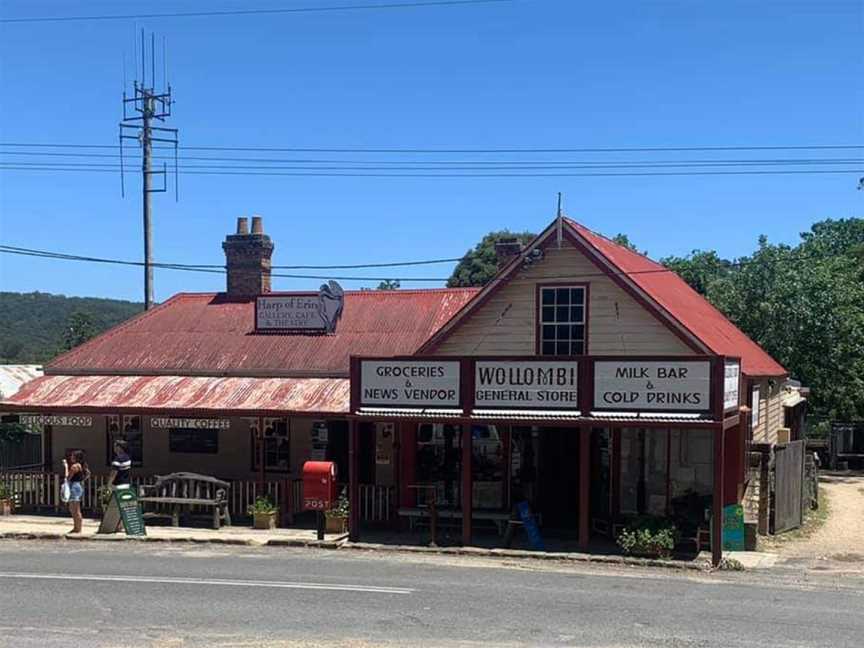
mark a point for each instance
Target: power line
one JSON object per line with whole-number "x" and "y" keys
{"x": 357, "y": 149}
{"x": 7, "y": 167}
{"x": 250, "y": 12}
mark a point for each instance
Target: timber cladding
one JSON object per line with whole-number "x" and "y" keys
{"x": 617, "y": 323}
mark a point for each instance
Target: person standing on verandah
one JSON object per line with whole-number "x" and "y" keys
{"x": 75, "y": 472}
{"x": 120, "y": 466}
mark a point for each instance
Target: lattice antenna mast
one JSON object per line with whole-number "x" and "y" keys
{"x": 139, "y": 112}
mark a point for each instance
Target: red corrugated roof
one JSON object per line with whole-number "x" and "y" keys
{"x": 685, "y": 305}
{"x": 207, "y": 333}
{"x": 180, "y": 394}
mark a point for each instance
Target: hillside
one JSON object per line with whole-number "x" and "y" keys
{"x": 34, "y": 327}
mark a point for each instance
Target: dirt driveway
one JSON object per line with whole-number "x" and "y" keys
{"x": 838, "y": 544}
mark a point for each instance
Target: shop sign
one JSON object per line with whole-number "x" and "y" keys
{"x": 67, "y": 420}
{"x": 534, "y": 384}
{"x": 410, "y": 383}
{"x": 191, "y": 423}
{"x": 303, "y": 312}
{"x": 652, "y": 385}
{"x": 731, "y": 379}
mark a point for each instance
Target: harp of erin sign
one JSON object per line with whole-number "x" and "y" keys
{"x": 301, "y": 312}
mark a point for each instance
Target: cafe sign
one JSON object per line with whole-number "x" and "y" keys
{"x": 731, "y": 379}
{"x": 410, "y": 383}
{"x": 301, "y": 312}
{"x": 190, "y": 423}
{"x": 533, "y": 384}
{"x": 65, "y": 420}
{"x": 667, "y": 386}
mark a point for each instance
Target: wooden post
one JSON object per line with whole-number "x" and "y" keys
{"x": 262, "y": 476}
{"x": 717, "y": 519}
{"x": 353, "y": 483}
{"x": 584, "y": 487}
{"x": 615, "y": 490}
{"x": 467, "y": 483}
{"x": 764, "y": 492}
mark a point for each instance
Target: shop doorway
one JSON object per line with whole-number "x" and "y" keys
{"x": 558, "y": 479}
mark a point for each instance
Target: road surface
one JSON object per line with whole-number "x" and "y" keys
{"x": 92, "y": 594}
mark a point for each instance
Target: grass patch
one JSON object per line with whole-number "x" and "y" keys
{"x": 813, "y": 521}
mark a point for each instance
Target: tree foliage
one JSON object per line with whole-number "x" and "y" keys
{"x": 480, "y": 264}
{"x": 389, "y": 284}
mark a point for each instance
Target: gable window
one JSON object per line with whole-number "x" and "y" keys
{"x": 562, "y": 317}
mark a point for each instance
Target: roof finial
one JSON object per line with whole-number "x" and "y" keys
{"x": 560, "y": 221}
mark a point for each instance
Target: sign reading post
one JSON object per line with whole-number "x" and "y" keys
{"x": 669, "y": 386}
{"x": 410, "y": 383}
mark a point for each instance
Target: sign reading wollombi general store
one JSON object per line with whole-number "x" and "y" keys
{"x": 667, "y": 386}
{"x": 304, "y": 312}
{"x": 410, "y": 383}
{"x": 535, "y": 384}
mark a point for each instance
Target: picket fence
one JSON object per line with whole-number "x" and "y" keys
{"x": 35, "y": 492}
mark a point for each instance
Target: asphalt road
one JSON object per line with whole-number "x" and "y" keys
{"x": 89, "y": 594}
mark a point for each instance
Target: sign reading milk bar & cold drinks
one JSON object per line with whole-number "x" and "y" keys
{"x": 533, "y": 384}
{"x": 652, "y": 385}
{"x": 409, "y": 383}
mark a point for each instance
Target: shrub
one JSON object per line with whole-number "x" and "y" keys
{"x": 4, "y": 492}
{"x": 262, "y": 506}
{"x": 648, "y": 536}
{"x": 341, "y": 508}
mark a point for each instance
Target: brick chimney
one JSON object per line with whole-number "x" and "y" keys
{"x": 506, "y": 249}
{"x": 247, "y": 259}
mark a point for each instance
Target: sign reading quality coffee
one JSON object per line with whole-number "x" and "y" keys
{"x": 410, "y": 383}
{"x": 652, "y": 385}
{"x": 526, "y": 383}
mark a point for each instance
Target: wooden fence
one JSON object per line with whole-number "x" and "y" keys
{"x": 35, "y": 492}
{"x": 23, "y": 451}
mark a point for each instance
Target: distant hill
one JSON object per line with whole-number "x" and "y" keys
{"x": 34, "y": 327}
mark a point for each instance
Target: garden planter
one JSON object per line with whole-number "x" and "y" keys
{"x": 336, "y": 525}
{"x": 6, "y": 507}
{"x": 264, "y": 521}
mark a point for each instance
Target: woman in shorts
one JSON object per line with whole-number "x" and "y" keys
{"x": 77, "y": 471}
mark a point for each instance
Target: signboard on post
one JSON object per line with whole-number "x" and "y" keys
{"x": 534, "y": 384}
{"x": 731, "y": 381}
{"x": 410, "y": 383}
{"x": 658, "y": 385}
{"x": 301, "y": 312}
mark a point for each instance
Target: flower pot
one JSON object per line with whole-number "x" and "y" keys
{"x": 6, "y": 507}
{"x": 336, "y": 524}
{"x": 264, "y": 521}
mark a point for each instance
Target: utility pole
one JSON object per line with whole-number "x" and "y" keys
{"x": 149, "y": 105}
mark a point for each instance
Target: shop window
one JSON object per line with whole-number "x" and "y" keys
{"x": 193, "y": 440}
{"x": 277, "y": 445}
{"x": 129, "y": 429}
{"x": 562, "y": 320}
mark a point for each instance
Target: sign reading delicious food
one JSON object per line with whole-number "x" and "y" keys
{"x": 526, "y": 383}
{"x": 409, "y": 383}
{"x": 652, "y": 385}
{"x": 301, "y": 312}
{"x": 63, "y": 420}
{"x": 730, "y": 384}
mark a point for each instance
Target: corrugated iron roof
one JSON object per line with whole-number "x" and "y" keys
{"x": 684, "y": 304}
{"x": 209, "y": 334}
{"x": 12, "y": 376}
{"x": 180, "y": 394}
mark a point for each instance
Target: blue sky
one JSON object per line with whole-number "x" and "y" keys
{"x": 526, "y": 74}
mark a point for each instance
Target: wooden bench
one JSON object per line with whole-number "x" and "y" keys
{"x": 179, "y": 493}
{"x": 499, "y": 518}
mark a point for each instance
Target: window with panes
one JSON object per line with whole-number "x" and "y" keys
{"x": 562, "y": 320}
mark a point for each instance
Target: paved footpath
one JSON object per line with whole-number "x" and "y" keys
{"x": 183, "y": 595}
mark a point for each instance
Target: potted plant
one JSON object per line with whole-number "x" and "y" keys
{"x": 648, "y": 537}
{"x": 6, "y": 502}
{"x": 337, "y": 517}
{"x": 263, "y": 513}
{"x": 103, "y": 497}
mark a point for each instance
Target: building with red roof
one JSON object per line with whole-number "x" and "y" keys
{"x": 584, "y": 379}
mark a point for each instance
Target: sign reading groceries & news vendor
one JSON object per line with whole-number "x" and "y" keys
{"x": 668, "y": 386}
{"x": 410, "y": 383}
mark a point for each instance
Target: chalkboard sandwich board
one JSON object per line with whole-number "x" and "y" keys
{"x": 123, "y": 507}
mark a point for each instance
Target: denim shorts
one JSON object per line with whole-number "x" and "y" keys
{"x": 76, "y": 491}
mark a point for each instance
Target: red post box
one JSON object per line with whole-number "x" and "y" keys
{"x": 319, "y": 485}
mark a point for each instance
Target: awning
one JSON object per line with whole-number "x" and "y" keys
{"x": 183, "y": 394}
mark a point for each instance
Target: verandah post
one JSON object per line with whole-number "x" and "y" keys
{"x": 353, "y": 483}
{"x": 717, "y": 518}
{"x": 584, "y": 486}
{"x": 467, "y": 492}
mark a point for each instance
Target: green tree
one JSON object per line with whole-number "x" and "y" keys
{"x": 389, "y": 284}
{"x": 624, "y": 241}
{"x": 699, "y": 268}
{"x": 79, "y": 329}
{"x": 480, "y": 264}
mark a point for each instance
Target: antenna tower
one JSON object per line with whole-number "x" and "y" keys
{"x": 145, "y": 106}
